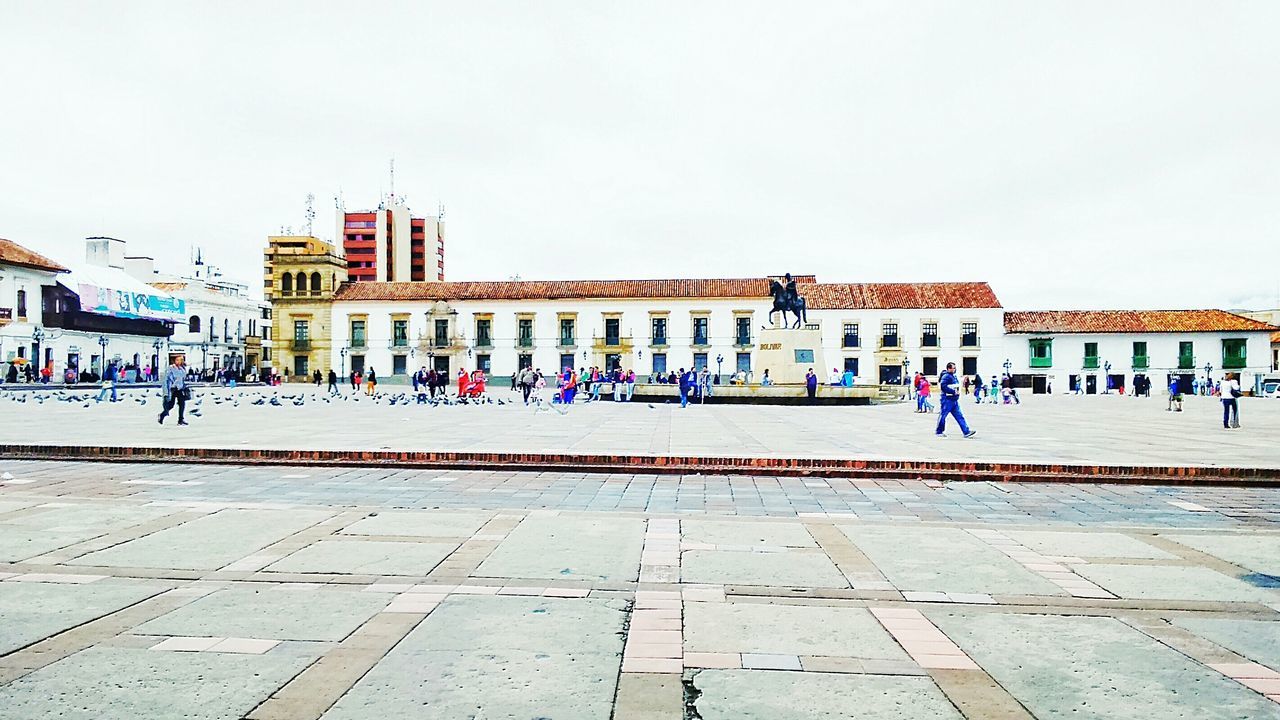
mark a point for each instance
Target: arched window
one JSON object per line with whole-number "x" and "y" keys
{"x": 286, "y": 283}
{"x": 315, "y": 282}
{"x": 239, "y": 330}
{"x": 302, "y": 283}
{"x": 213, "y": 328}
{"x": 193, "y": 325}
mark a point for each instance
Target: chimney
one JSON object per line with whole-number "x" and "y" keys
{"x": 105, "y": 252}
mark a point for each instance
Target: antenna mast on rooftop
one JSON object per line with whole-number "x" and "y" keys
{"x": 393, "y": 178}
{"x": 311, "y": 210}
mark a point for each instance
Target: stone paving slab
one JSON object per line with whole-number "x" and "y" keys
{"x": 32, "y": 611}
{"x": 431, "y": 523}
{"x": 1174, "y": 583}
{"x": 128, "y": 684}
{"x": 276, "y": 612}
{"x": 206, "y": 543}
{"x": 1088, "y": 544}
{"x": 762, "y": 695}
{"x": 1095, "y": 668}
{"x": 845, "y": 632}
{"x": 569, "y": 548}
{"x": 736, "y": 567}
{"x": 365, "y": 557}
{"x": 1258, "y": 640}
{"x": 497, "y": 657}
{"x": 730, "y": 533}
{"x": 45, "y": 530}
{"x": 945, "y": 560}
{"x": 1257, "y": 552}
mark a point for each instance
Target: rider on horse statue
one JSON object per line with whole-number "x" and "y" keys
{"x": 786, "y": 299}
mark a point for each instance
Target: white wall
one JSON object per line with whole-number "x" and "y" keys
{"x": 635, "y": 324}
{"x": 1117, "y": 348}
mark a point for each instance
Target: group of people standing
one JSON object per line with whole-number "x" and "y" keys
{"x": 590, "y": 381}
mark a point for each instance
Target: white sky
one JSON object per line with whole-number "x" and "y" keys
{"x": 1073, "y": 154}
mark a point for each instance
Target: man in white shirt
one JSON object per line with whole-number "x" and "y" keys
{"x": 1230, "y": 406}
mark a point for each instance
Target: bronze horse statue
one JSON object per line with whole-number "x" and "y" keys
{"x": 786, "y": 299}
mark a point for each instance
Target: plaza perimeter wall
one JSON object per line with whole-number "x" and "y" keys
{"x": 853, "y": 469}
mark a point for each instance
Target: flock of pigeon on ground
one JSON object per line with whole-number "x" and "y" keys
{"x": 234, "y": 398}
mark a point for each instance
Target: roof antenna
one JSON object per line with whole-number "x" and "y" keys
{"x": 393, "y": 179}
{"x": 311, "y": 211}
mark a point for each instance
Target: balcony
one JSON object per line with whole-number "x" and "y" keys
{"x": 700, "y": 341}
{"x": 850, "y": 342}
{"x": 1141, "y": 362}
{"x": 1186, "y": 362}
{"x": 928, "y": 341}
{"x": 889, "y": 341}
{"x": 358, "y": 343}
{"x": 1090, "y": 362}
{"x": 301, "y": 345}
{"x": 742, "y": 340}
{"x": 524, "y": 342}
{"x": 1234, "y": 363}
{"x": 659, "y": 341}
{"x": 484, "y": 342}
{"x": 566, "y": 342}
{"x": 1041, "y": 362}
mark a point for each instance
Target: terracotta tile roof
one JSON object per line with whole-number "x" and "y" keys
{"x": 14, "y": 254}
{"x": 1130, "y": 321}
{"x": 1275, "y": 338}
{"x": 168, "y": 286}
{"x": 818, "y": 295}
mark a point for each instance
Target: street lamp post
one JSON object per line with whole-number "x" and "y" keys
{"x": 342, "y": 361}
{"x": 204, "y": 356}
{"x": 719, "y": 362}
{"x": 37, "y": 340}
{"x": 103, "y": 341}
{"x": 906, "y": 368}
{"x": 1208, "y": 378}
{"x": 1106, "y": 376}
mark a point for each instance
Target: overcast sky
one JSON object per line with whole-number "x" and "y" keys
{"x": 1073, "y": 154}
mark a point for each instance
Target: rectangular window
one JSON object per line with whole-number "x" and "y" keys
{"x": 699, "y": 361}
{"x": 1091, "y": 355}
{"x": 1234, "y": 354}
{"x": 441, "y": 338}
{"x": 744, "y": 362}
{"x": 969, "y": 366}
{"x": 659, "y": 362}
{"x": 485, "y": 363}
{"x": 300, "y": 365}
{"x": 400, "y": 333}
{"x": 566, "y": 361}
{"x": 851, "y": 365}
{"x": 930, "y": 368}
{"x": 1041, "y": 352}
{"x": 399, "y": 363}
{"x": 266, "y": 354}
{"x": 526, "y": 361}
{"x": 301, "y": 335}
{"x": 969, "y": 334}
{"x": 566, "y": 331}
{"x": 700, "y": 331}
{"x": 1186, "y": 355}
{"x": 612, "y": 331}
{"x": 358, "y": 337}
{"x": 1140, "y": 359}
{"x": 850, "y": 335}
{"x": 357, "y": 363}
{"x": 743, "y": 330}
{"x": 524, "y": 327}
{"x": 929, "y": 334}
{"x": 660, "y": 331}
{"x": 484, "y": 333}
{"x": 889, "y": 335}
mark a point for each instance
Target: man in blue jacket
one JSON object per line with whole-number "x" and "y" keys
{"x": 687, "y": 381}
{"x": 950, "y": 388}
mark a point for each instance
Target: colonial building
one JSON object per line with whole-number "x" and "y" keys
{"x": 301, "y": 274}
{"x": 1100, "y": 349}
{"x": 24, "y": 274}
{"x": 879, "y": 331}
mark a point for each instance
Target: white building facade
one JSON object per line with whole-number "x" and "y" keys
{"x": 880, "y": 332}
{"x": 1108, "y": 350}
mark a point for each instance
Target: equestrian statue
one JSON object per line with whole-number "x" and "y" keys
{"x": 786, "y": 299}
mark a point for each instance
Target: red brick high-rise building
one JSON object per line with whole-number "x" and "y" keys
{"x": 390, "y": 245}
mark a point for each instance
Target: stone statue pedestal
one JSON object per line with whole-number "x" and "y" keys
{"x": 788, "y": 354}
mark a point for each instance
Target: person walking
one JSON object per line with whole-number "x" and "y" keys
{"x": 924, "y": 390}
{"x": 108, "y": 383}
{"x": 372, "y": 381}
{"x": 1230, "y": 401}
{"x": 315, "y": 377}
{"x": 704, "y": 385}
{"x": 333, "y": 382}
{"x": 950, "y": 389}
{"x": 685, "y": 380}
{"x": 631, "y": 384}
{"x": 174, "y": 389}
{"x": 1175, "y": 396}
{"x": 811, "y": 385}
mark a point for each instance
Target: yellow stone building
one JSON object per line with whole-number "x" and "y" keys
{"x": 301, "y": 274}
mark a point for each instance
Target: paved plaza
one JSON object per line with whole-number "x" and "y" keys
{"x": 1065, "y": 429}
{"x": 268, "y": 592}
